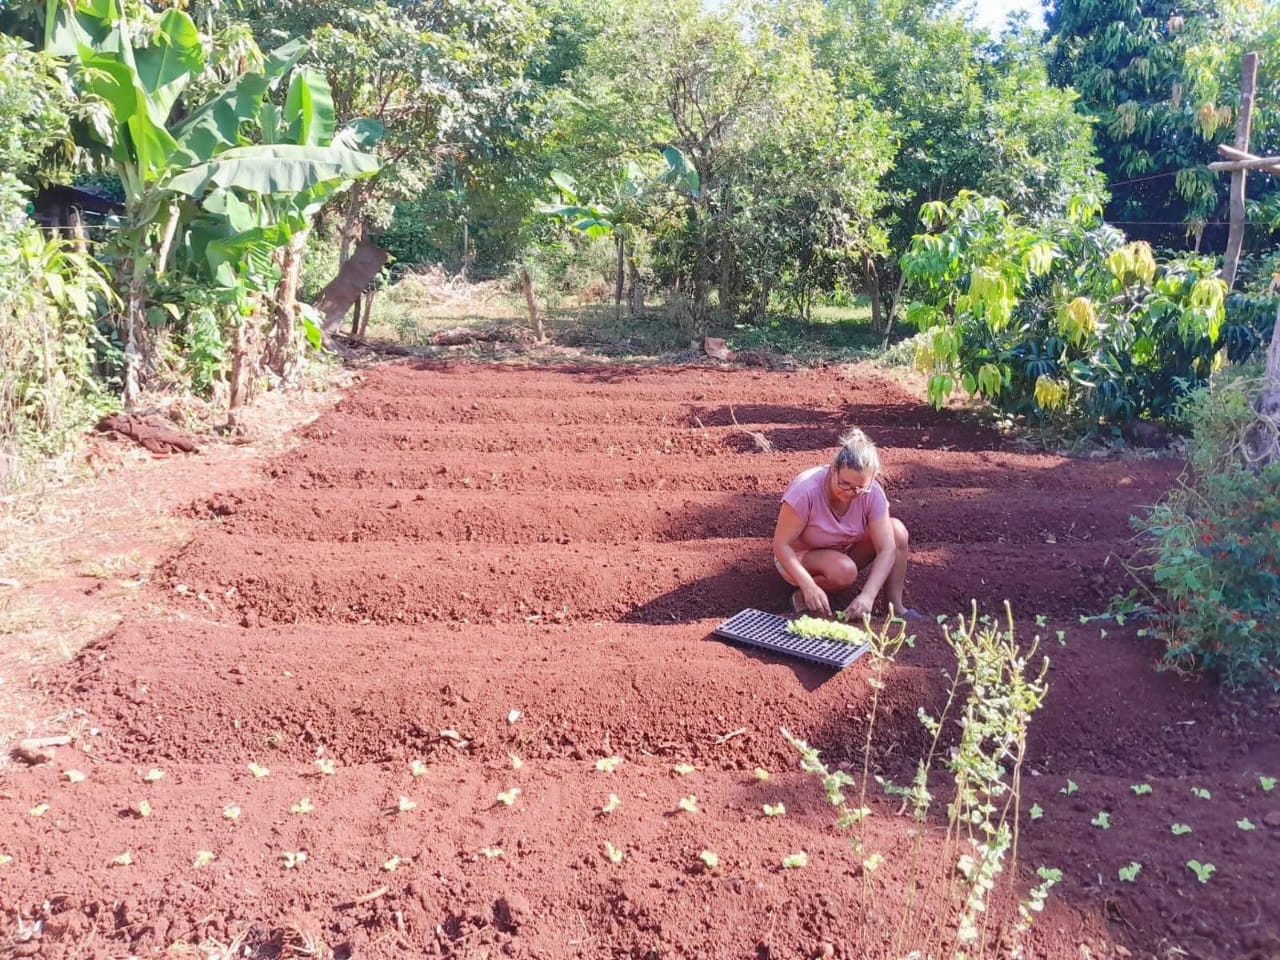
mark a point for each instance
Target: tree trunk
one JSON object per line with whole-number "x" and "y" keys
{"x": 620, "y": 281}
{"x": 873, "y": 294}
{"x": 1235, "y": 234}
{"x": 1266, "y": 439}
{"x": 283, "y": 342}
{"x": 893, "y": 309}
{"x": 350, "y": 222}
{"x": 635, "y": 289}
{"x": 239, "y": 374}
{"x": 135, "y": 333}
{"x": 535, "y": 318}
{"x": 365, "y": 310}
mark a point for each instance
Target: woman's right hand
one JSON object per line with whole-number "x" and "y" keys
{"x": 815, "y": 599}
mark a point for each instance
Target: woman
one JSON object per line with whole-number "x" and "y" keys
{"x": 833, "y": 522}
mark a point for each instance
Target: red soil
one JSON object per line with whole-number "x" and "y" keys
{"x": 454, "y": 543}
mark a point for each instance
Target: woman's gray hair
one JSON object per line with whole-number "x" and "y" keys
{"x": 857, "y": 452}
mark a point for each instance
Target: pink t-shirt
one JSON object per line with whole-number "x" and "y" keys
{"x": 822, "y": 528}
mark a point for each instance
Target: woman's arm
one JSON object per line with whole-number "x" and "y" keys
{"x": 786, "y": 533}
{"x": 881, "y": 532}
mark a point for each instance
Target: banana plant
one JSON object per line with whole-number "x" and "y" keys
{"x": 173, "y": 172}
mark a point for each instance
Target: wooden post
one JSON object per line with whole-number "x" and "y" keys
{"x": 1235, "y": 233}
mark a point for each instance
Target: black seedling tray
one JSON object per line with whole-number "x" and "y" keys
{"x": 769, "y": 632}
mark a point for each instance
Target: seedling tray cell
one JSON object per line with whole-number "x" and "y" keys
{"x": 769, "y": 632}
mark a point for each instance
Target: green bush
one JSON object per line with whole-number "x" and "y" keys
{"x": 1060, "y": 320}
{"x": 1215, "y": 550}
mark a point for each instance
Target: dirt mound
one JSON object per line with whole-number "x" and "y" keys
{"x": 474, "y": 580}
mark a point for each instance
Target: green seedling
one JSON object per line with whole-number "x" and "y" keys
{"x": 872, "y": 862}
{"x": 816, "y": 628}
{"x": 516, "y": 762}
{"x": 74, "y": 776}
{"x": 1041, "y": 619}
{"x": 1036, "y": 811}
{"x": 326, "y": 766}
{"x": 230, "y": 811}
{"x": 1201, "y": 792}
{"x": 612, "y": 804}
{"x": 203, "y": 859}
{"x": 710, "y": 858}
{"x": 1267, "y": 783}
{"x": 1102, "y": 821}
{"x": 1245, "y": 824}
{"x": 1070, "y": 788}
{"x": 508, "y": 797}
{"x": 124, "y": 860}
{"x": 1062, "y": 638}
{"x": 608, "y": 764}
{"x": 1141, "y": 789}
{"x": 302, "y": 806}
{"x": 1179, "y": 829}
{"x": 492, "y": 853}
{"x": 761, "y": 773}
{"x": 293, "y": 858}
{"x": 5, "y": 859}
{"x": 39, "y": 810}
{"x": 514, "y": 716}
{"x": 689, "y": 804}
{"x": 404, "y": 804}
{"x": 795, "y": 861}
{"x": 417, "y": 769}
{"x": 390, "y": 865}
{"x": 152, "y": 775}
{"x": 1203, "y": 871}
{"x": 258, "y": 771}
{"x": 683, "y": 769}
{"x": 1130, "y": 873}
{"x": 775, "y": 810}
{"x": 613, "y": 853}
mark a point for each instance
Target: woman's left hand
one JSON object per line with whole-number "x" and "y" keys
{"x": 859, "y": 608}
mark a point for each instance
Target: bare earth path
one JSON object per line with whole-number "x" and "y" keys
{"x": 507, "y": 574}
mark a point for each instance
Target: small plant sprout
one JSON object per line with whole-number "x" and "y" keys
{"x": 203, "y": 859}
{"x": 508, "y": 797}
{"x": 761, "y": 774}
{"x": 608, "y": 764}
{"x": 514, "y": 716}
{"x": 1070, "y": 788}
{"x": 74, "y": 776}
{"x": 5, "y": 859}
{"x": 152, "y": 775}
{"x": 142, "y": 808}
{"x": 1102, "y": 821}
{"x": 689, "y": 804}
{"x": 1036, "y": 811}
{"x": 390, "y": 865}
{"x": 417, "y": 769}
{"x": 293, "y": 858}
{"x": 612, "y": 804}
{"x": 1267, "y": 783}
{"x": 404, "y": 804}
{"x": 1203, "y": 871}
{"x": 1179, "y": 829}
{"x": 710, "y": 858}
{"x": 516, "y": 762}
{"x": 775, "y": 810}
{"x": 326, "y": 766}
{"x": 302, "y": 806}
{"x": 795, "y": 861}
{"x": 1041, "y": 619}
{"x": 1202, "y": 793}
{"x": 1062, "y": 637}
{"x": 492, "y": 853}
{"x": 613, "y": 854}
{"x": 871, "y": 863}
{"x": 1130, "y": 873}
{"x": 231, "y": 811}
{"x": 124, "y": 860}
{"x": 1140, "y": 789}
{"x": 39, "y": 810}
{"x": 258, "y": 771}
{"x": 1245, "y": 824}
{"x": 683, "y": 769}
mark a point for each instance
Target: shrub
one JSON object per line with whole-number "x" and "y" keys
{"x": 1060, "y": 319}
{"x": 1215, "y": 543}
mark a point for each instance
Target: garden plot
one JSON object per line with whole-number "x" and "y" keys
{"x": 444, "y": 684}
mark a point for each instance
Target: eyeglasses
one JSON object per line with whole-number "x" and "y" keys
{"x": 850, "y": 488}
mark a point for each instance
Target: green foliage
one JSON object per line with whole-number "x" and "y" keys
{"x": 1214, "y": 541}
{"x": 1058, "y": 319}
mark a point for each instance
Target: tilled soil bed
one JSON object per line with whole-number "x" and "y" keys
{"x": 469, "y": 580}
